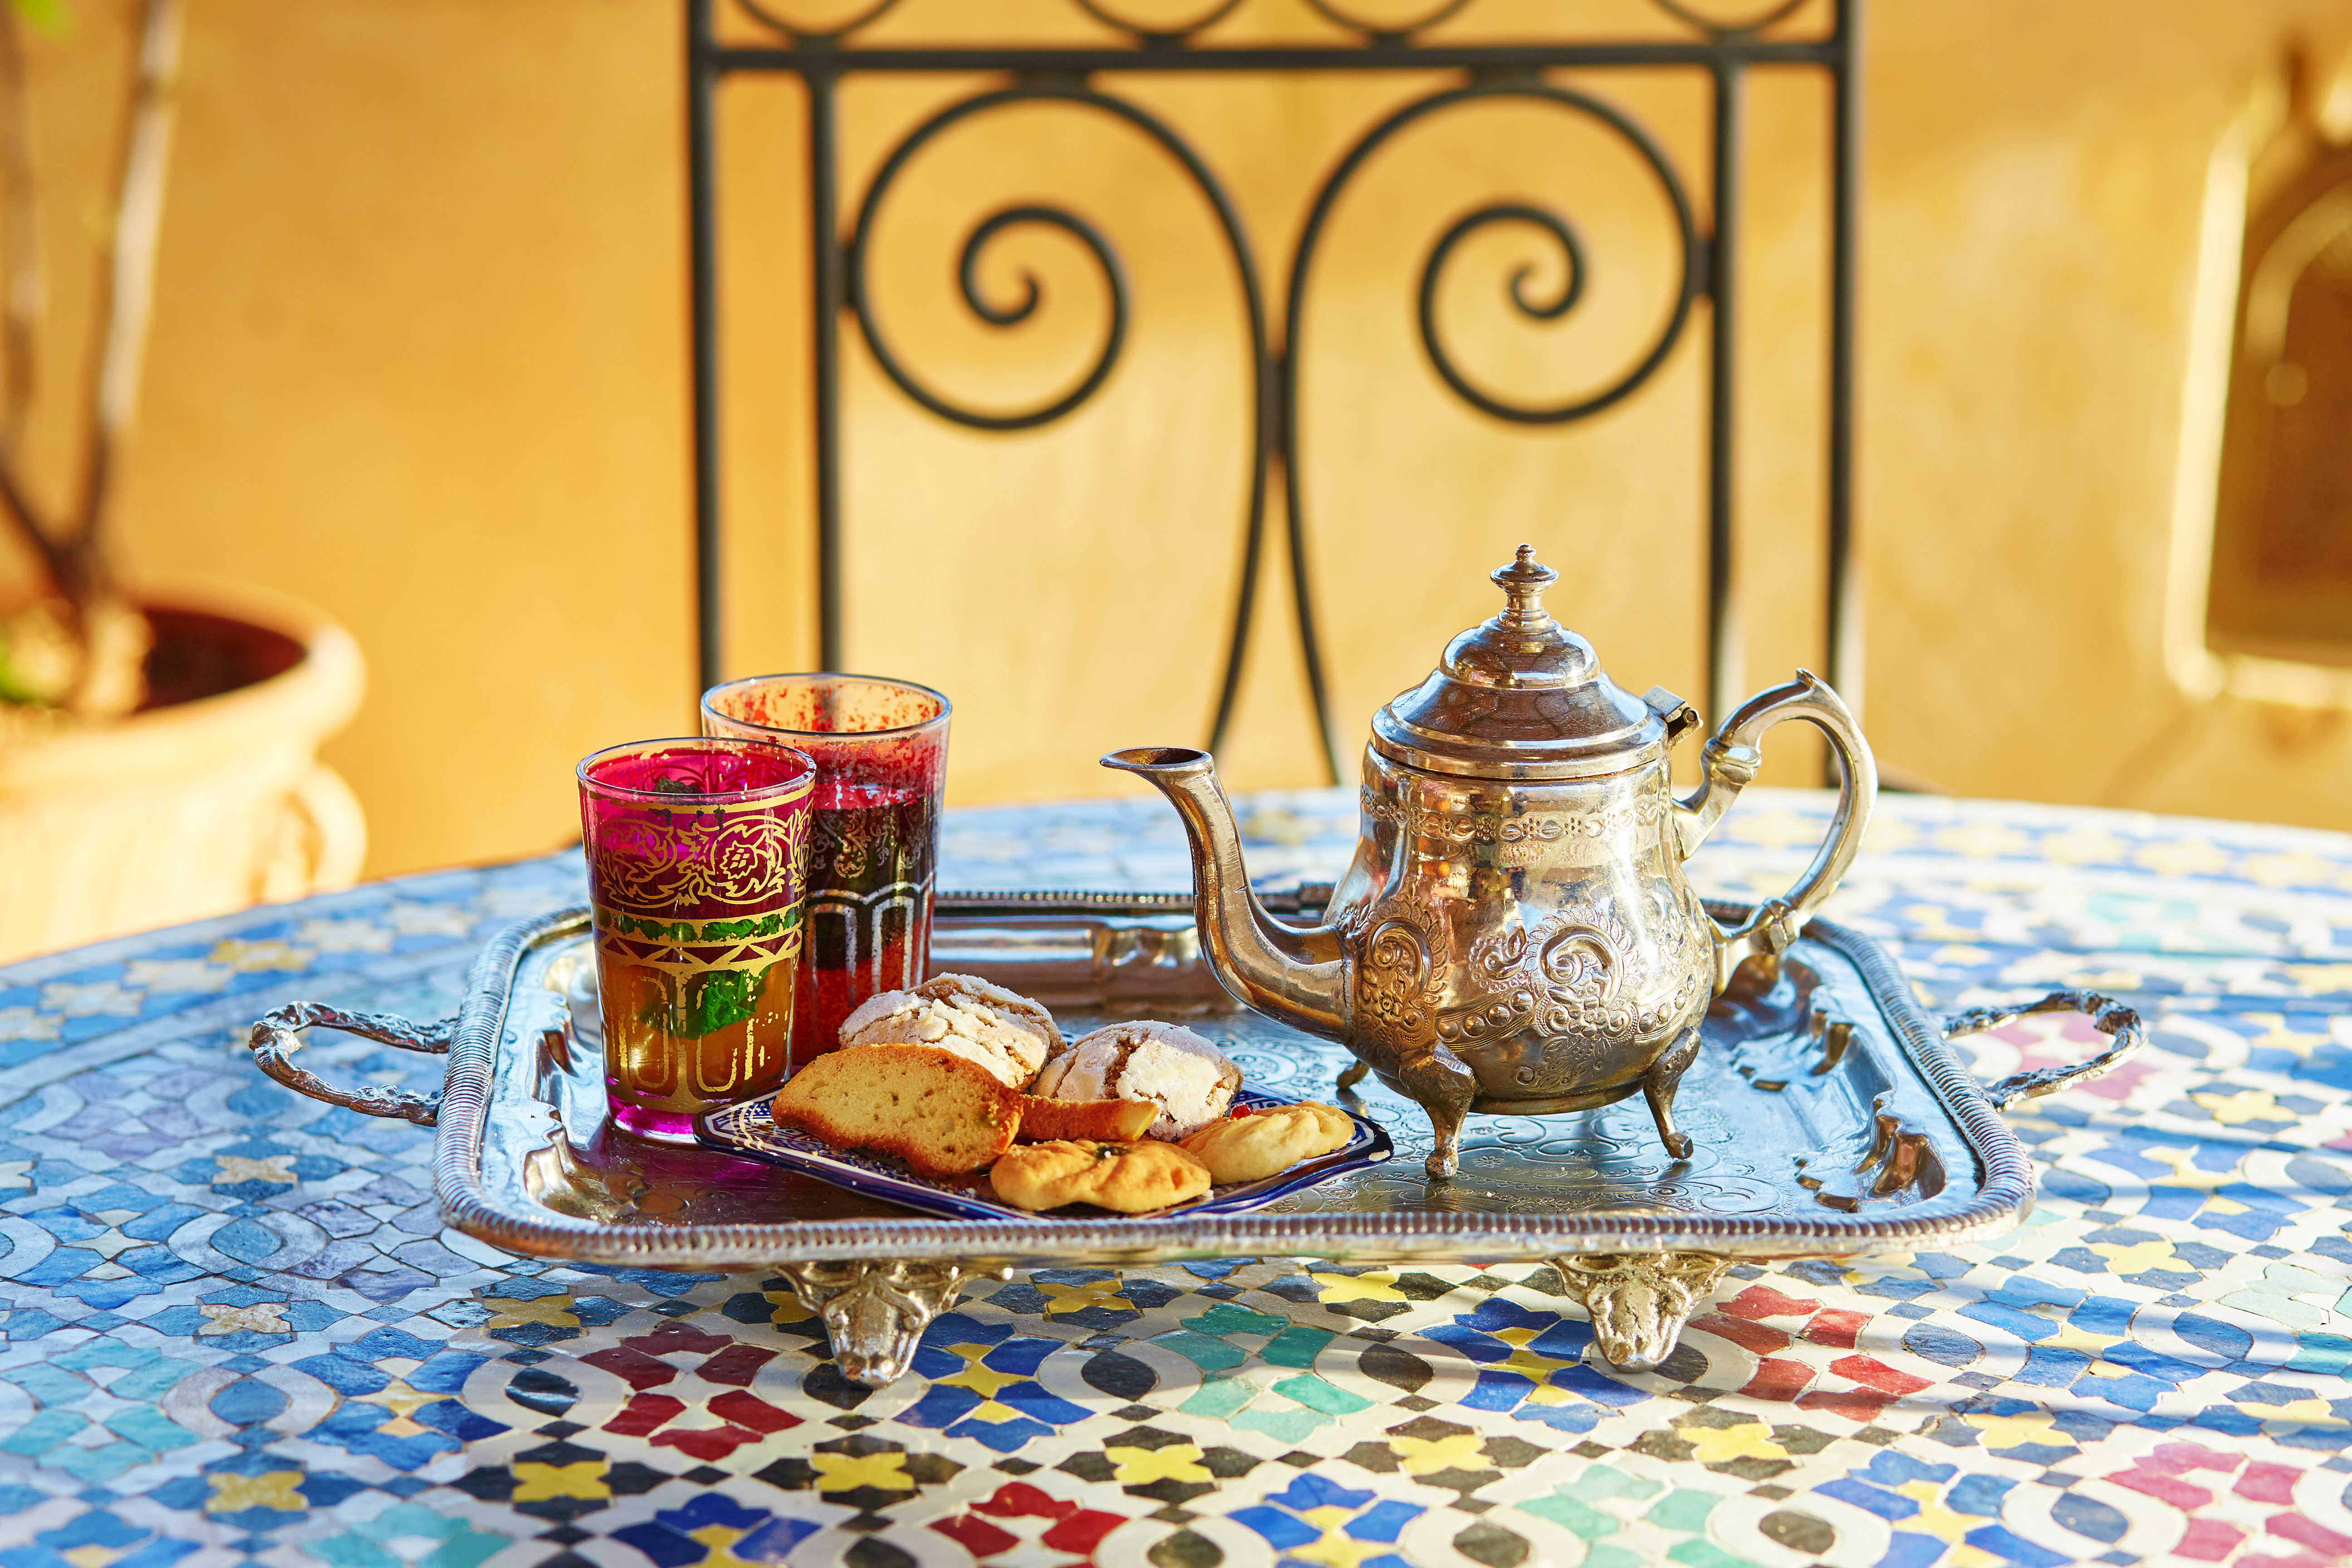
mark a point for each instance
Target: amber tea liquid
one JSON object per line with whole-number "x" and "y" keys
{"x": 695, "y": 854}
{"x": 678, "y": 1041}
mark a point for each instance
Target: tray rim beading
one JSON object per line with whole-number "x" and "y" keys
{"x": 2002, "y": 1200}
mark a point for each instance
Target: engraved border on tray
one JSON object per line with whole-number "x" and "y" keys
{"x": 746, "y": 1128}
{"x": 481, "y": 1191}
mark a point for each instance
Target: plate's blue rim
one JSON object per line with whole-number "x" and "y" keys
{"x": 1371, "y": 1146}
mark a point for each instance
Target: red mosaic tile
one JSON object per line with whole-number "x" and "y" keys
{"x": 2164, "y": 1488}
{"x": 1872, "y": 1373}
{"x": 704, "y": 1443}
{"x": 1077, "y": 1531}
{"x": 1837, "y": 1328}
{"x": 1758, "y": 1337}
{"x": 674, "y": 1336}
{"x": 736, "y": 1364}
{"x": 1778, "y": 1380}
{"x": 2266, "y": 1482}
{"x": 2172, "y": 1458}
{"x": 1763, "y": 1301}
{"x": 634, "y": 1367}
{"x": 644, "y": 1414}
{"x": 977, "y": 1536}
{"x": 2208, "y": 1540}
{"x": 749, "y": 1410}
{"x": 2304, "y": 1532}
{"x": 1861, "y": 1404}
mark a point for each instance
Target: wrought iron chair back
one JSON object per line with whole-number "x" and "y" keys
{"x": 1726, "y": 52}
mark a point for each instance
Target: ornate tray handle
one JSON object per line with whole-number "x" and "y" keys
{"x": 277, "y": 1037}
{"x": 2110, "y": 1017}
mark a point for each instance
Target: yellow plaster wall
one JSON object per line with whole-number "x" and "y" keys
{"x": 419, "y": 357}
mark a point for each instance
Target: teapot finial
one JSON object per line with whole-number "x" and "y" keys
{"x": 1525, "y": 580}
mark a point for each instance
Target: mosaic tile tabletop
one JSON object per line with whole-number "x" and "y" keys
{"x": 235, "y": 1330}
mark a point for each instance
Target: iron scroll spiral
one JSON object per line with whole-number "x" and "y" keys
{"x": 1571, "y": 289}
{"x": 860, "y": 302}
{"x": 1616, "y": 120}
{"x": 968, "y": 282}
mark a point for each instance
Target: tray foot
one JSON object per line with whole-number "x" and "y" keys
{"x": 876, "y": 1313}
{"x": 1640, "y": 1301}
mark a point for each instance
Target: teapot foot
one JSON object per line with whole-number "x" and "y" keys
{"x": 1658, "y": 1087}
{"x": 1446, "y": 1120}
{"x": 1356, "y": 1072}
{"x": 1444, "y": 1087}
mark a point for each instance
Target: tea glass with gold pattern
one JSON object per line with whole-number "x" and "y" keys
{"x": 881, "y": 752}
{"x": 697, "y": 851}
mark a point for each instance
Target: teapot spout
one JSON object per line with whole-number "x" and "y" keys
{"x": 1288, "y": 973}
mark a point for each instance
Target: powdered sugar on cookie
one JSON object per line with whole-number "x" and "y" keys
{"x": 1004, "y": 1031}
{"x": 1191, "y": 1080}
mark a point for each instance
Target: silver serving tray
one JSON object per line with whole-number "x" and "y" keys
{"x": 1831, "y": 1119}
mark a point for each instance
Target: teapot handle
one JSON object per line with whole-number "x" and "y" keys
{"x": 1730, "y": 761}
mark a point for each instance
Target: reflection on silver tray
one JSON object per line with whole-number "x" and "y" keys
{"x": 1829, "y": 1116}
{"x": 1830, "y": 1119}
{"x": 748, "y": 1129}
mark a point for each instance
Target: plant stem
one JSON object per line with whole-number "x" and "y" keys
{"x": 130, "y": 290}
{"x": 20, "y": 238}
{"x": 20, "y": 255}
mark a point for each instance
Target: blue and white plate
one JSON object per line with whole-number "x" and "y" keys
{"x": 748, "y": 1130}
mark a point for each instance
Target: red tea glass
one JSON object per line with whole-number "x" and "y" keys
{"x": 881, "y": 752}
{"x": 697, "y": 853}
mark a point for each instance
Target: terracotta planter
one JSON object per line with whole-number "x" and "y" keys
{"x": 209, "y": 799}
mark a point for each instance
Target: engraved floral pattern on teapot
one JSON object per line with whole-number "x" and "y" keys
{"x": 1517, "y": 935}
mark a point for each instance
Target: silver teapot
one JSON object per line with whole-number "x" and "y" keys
{"x": 1516, "y": 933}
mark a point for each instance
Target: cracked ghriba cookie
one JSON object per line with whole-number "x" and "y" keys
{"x": 1266, "y": 1143}
{"x": 1187, "y": 1077}
{"x": 1001, "y": 1030}
{"x": 1130, "y": 1178}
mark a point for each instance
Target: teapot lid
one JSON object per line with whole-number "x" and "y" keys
{"x": 1523, "y": 696}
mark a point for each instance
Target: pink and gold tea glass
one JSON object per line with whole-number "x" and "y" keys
{"x": 881, "y": 754}
{"x": 697, "y": 853}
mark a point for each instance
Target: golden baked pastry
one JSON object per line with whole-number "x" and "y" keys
{"x": 1101, "y": 1120}
{"x": 1254, "y": 1147}
{"x": 942, "y": 1113}
{"x": 1131, "y": 1178}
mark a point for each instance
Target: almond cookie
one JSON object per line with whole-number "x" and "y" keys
{"x": 1130, "y": 1178}
{"x": 1104, "y": 1121}
{"x": 1190, "y": 1080}
{"x": 1254, "y": 1147}
{"x": 1003, "y": 1031}
{"x": 942, "y": 1113}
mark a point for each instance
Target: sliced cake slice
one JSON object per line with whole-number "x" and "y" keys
{"x": 942, "y": 1113}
